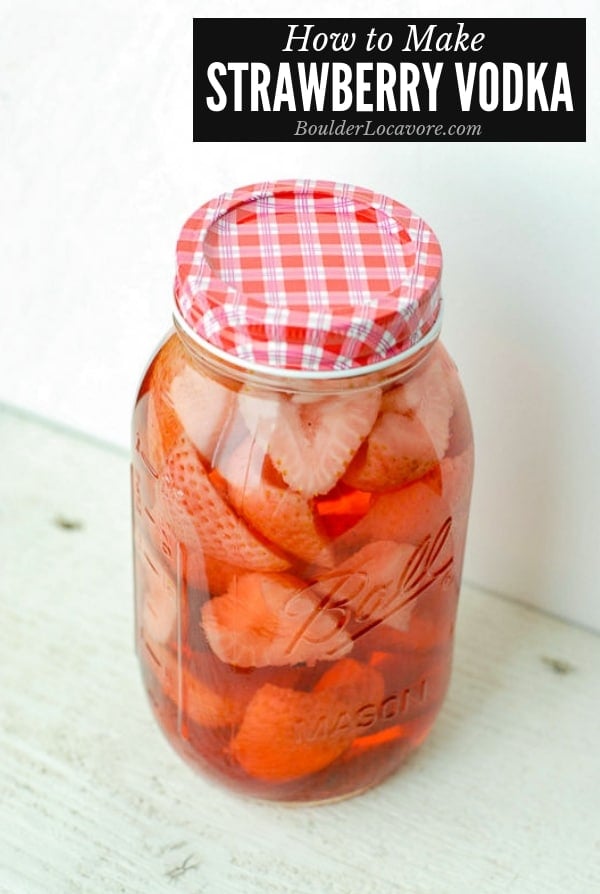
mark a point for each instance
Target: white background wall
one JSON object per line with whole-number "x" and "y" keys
{"x": 98, "y": 172}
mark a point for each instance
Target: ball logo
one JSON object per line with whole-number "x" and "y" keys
{"x": 380, "y": 584}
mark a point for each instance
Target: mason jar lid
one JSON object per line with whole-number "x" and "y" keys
{"x": 308, "y": 276}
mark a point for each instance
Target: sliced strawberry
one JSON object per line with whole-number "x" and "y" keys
{"x": 357, "y": 682}
{"x": 181, "y": 398}
{"x": 287, "y": 734}
{"x": 411, "y": 434}
{"x": 434, "y": 615}
{"x": 313, "y": 442}
{"x": 194, "y": 567}
{"x": 427, "y": 512}
{"x": 163, "y": 425}
{"x": 203, "y": 406}
{"x": 426, "y": 396}
{"x": 397, "y": 451}
{"x": 191, "y": 512}
{"x": 157, "y": 594}
{"x": 280, "y": 514}
{"x": 260, "y": 412}
{"x": 219, "y": 575}
{"x": 198, "y": 701}
{"x": 242, "y": 682}
{"x": 375, "y": 584}
{"x": 461, "y": 432}
{"x": 148, "y": 458}
{"x": 457, "y": 479}
{"x": 271, "y": 620}
{"x": 407, "y": 515}
{"x": 157, "y": 446}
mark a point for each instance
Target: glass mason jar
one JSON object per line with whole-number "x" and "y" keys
{"x": 301, "y": 473}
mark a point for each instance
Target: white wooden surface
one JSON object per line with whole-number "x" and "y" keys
{"x": 504, "y": 796}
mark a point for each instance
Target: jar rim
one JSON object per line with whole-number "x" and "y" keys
{"x": 279, "y": 373}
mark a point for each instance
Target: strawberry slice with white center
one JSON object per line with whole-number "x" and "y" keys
{"x": 426, "y": 396}
{"x": 191, "y": 511}
{"x": 312, "y": 443}
{"x": 280, "y": 514}
{"x": 272, "y": 620}
{"x": 204, "y": 408}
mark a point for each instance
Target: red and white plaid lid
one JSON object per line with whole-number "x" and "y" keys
{"x": 308, "y": 275}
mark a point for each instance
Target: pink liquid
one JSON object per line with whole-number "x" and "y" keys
{"x": 316, "y": 680}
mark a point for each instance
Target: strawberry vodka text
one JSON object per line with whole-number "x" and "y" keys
{"x": 298, "y": 561}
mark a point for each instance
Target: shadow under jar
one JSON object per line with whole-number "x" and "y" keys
{"x": 302, "y": 468}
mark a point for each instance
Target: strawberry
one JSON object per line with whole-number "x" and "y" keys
{"x": 192, "y": 513}
{"x": 313, "y": 441}
{"x": 407, "y": 515}
{"x": 194, "y": 567}
{"x": 204, "y": 408}
{"x": 243, "y": 682}
{"x": 457, "y": 477}
{"x": 434, "y": 615}
{"x": 280, "y": 514}
{"x": 426, "y": 396}
{"x": 286, "y": 734}
{"x": 411, "y": 434}
{"x": 375, "y": 584}
{"x": 161, "y": 435}
{"x": 163, "y": 427}
{"x": 271, "y": 619}
{"x": 398, "y": 450}
{"x": 460, "y": 434}
{"x": 148, "y": 458}
{"x": 181, "y": 398}
{"x": 218, "y": 575}
{"x": 198, "y": 701}
{"x": 260, "y": 410}
{"x": 457, "y": 474}
{"x": 157, "y": 594}
{"x": 351, "y": 678}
